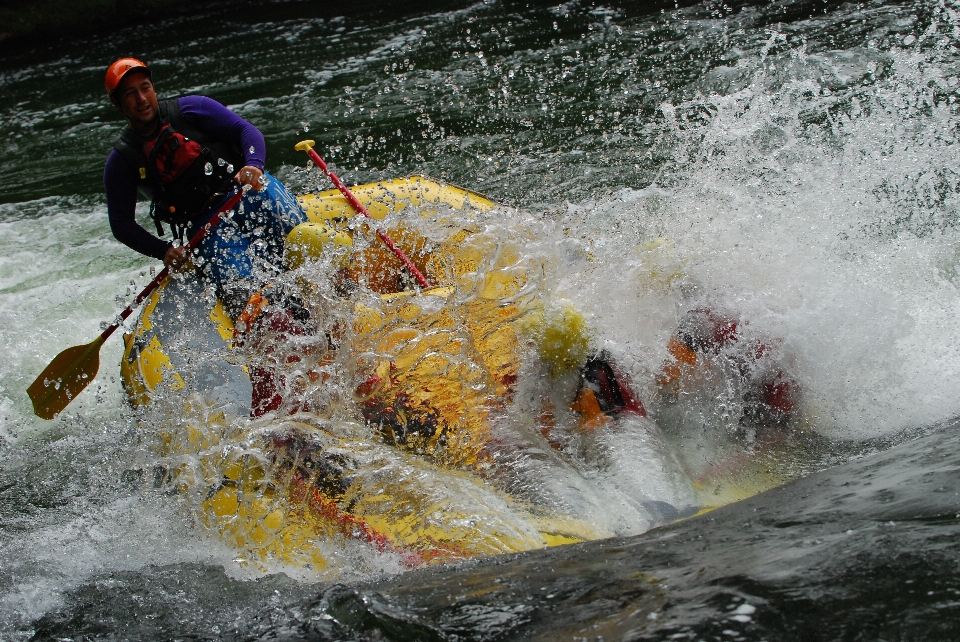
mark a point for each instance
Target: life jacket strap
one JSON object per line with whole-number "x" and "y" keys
{"x": 195, "y": 186}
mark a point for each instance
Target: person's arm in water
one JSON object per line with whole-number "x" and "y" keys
{"x": 212, "y": 117}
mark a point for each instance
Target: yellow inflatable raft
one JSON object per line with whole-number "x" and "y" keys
{"x": 401, "y": 428}
{"x": 388, "y": 441}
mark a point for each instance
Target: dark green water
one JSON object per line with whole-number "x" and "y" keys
{"x": 801, "y": 158}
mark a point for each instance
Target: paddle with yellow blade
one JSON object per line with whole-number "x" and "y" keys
{"x": 73, "y": 369}
{"x": 307, "y": 146}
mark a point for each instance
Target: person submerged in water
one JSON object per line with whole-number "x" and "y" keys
{"x": 186, "y": 155}
{"x": 770, "y": 395}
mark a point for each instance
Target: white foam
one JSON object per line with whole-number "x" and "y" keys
{"x": 840, "y": 239}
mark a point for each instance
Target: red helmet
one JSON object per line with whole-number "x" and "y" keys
{"x": 121, "y": 68}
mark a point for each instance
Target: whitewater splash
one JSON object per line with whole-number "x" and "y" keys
{"x": 817, "y": 195}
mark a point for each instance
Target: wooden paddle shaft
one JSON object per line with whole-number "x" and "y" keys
{"x": 145, "y": 292}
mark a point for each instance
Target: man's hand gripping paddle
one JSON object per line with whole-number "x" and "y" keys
{"x": 73, "y": 369}
{"x": 307, "y": 146}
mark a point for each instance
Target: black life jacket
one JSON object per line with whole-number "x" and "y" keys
{"x": 183, "y": 170}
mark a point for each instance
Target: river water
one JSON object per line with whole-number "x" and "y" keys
{"x": 795, "y": 162}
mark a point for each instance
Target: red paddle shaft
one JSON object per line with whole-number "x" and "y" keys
{"x": 145, "y": 292}
{"x": 407, "y": 263}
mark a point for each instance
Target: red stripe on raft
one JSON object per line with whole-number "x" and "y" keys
{"x": 355, "y": 527}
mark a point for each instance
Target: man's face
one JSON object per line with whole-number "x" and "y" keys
{"x": 136, "y": 99}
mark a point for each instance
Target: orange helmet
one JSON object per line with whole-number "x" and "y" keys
{"x": 121, "y": 68}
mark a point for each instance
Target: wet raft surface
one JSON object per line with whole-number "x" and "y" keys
{"x": 868, "y": 550}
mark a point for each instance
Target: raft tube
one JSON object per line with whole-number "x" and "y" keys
{"x": 283, "y": 489}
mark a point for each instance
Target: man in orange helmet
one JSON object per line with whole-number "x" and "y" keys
{"x": 186, "y": 155}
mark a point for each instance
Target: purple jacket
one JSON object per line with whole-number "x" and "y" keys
{"x": 121, "y": 188}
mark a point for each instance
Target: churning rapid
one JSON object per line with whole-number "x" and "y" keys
{"x": 748, "y": 212}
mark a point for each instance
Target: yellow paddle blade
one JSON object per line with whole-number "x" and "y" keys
{"x": 66, "y": 377}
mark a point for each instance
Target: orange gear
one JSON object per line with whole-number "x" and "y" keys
{"x": 587, "y": 406}
{"x": 255, "y": 306}
{"x": 121, "y": 68}
{"x": 682, "y": 356}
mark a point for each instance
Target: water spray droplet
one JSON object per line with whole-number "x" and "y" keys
{"x": 208, "y": 169}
